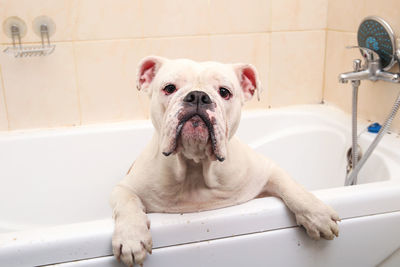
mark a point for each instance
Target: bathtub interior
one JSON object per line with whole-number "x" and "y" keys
{"x": 65, "y": 176}
{"x": 313, "y": 149}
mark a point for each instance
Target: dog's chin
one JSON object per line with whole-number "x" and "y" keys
{"x": 194, "y": 131}
{"x": 195, "y": 140}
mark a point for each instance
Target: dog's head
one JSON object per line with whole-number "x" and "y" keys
{"x": 195, "y": 107}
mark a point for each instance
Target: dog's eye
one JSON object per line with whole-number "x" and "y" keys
{"x": 224, "y": 93}
{"x": 169, "y": 89}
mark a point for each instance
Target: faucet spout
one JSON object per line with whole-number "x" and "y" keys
{"x": 354, "y": 76}
{"x": 373, "y": 72}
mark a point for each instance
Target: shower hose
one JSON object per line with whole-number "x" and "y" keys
{"x": 351, "y": 178}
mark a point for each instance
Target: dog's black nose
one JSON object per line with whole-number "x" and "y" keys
{"x": 197, "y": 98}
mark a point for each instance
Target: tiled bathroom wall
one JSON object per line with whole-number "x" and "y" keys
{"x": 3, "y": 109}
{"x": 90, "y": 78}
{"x": 296, "y": 45}
{"x": 344, "y": 16}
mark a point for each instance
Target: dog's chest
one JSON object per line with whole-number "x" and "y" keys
{"x": 191, "y": 201}
{"x": 194, "y": 194}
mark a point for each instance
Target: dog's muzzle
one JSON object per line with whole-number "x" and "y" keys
{"x": 196, "y": 103}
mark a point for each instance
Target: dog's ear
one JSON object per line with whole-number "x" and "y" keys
{"x": 147, "y": 70}
{"x": 248, "y": 79}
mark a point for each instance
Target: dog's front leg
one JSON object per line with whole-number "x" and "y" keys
{"x": 131, "y": 238}
{"x": 317, "y": 218}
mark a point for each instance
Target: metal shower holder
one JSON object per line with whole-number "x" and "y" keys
{"x": 19, "y": 50}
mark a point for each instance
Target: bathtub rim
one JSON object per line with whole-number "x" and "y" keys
{"x": 93, "y": 239}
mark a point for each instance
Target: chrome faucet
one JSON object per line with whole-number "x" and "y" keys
{"x": 377, "y": 45}
{"x": 371, "y": 70}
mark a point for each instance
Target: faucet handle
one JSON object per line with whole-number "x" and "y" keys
{"x": 356, "y": 64}
{"x": 367, "y": 53}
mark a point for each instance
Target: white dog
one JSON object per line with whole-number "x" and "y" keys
{"x": 194, "y": 162}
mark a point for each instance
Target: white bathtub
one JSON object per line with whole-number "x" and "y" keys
{"x": 55, "y": 185}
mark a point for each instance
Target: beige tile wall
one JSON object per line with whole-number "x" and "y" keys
{"x": 289, "y": 15}
{"x": 41, "y": 92}
{"x": 238, "y": 16}
{"x": 297, "y": 62}
{"x": 344, "y": 17}
{"x": 106, "y": 79}
{"x": 3, "y": 109}
{"x": 250, "y": 48}
{"x": 91, "y": 76}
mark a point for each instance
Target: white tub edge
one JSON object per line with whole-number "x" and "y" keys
{"x": 93, "y": 239}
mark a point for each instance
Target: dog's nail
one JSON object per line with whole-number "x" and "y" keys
{"x": 221, "y": 159}
{"x": 167, "y": 153}
{"x": 133, "y": 259}
{"x": 120, "y": 253}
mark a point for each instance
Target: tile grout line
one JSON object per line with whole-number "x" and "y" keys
{"x": 209, "y": 34}
{"x": 325, "y": 55}
{"x": 324, "y": 67}
{"x": 328, "y": 30}
{"x": 338, "y": 30}
{"x": 269, "y": 84}
{"x": 77, "y": 84}
{"x": 176, "y": 36}
{"x": 141, "y": 19}
{"x": 139, "y": 95}
{"x": 5, "y": 98}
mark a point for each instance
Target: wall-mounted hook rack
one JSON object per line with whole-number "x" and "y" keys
{"x": 14, "y": 26}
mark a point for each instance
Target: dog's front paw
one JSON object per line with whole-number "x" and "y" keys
{"x": 132, "y": 240}
{"x": 319, "y": 220}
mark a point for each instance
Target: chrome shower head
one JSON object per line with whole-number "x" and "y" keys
{"x": 376, "y": 34}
